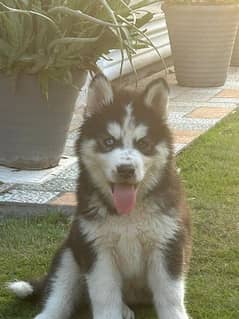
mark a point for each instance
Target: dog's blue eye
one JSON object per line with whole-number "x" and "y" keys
{"x": 109, "y": 142}
{"x": 106, "y": 143}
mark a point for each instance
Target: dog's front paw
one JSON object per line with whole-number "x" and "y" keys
{"x": 128, "y": 313}
{"x": 43, "y": 315}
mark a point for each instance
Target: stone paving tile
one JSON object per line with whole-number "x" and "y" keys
{"x": 5, "y": 187}
{"x": 60, "y": 184}
{"x": 75, "y": 124}
{"x": 179, "y": 147}
{"x": 72, "y": 137}
{"x": 77, "y": 118}
{"x": 192, "y": 124}
{"x": 79, "y": 108}
{"x": 181, "y": 107}
{"x": 225, "y": 100}
{"x": 231, "y": 84}
{"x": 176, "y": 90}
{"x": 56, "y": 184}
{"x": 189, "y": 106}
{"x": 16, "y": 176}
{"x": 69, "y": 150}
{"x": 21, "y": 196}
{"x": 229, "y": 93}
{"x": 70, "y": 173}
{"x": 68, "y": 199}
{"x": 232, "y": 76}
{"x": 185, "y": 136}
{"x": 70, "y": 143}
{"x": 208, "y": 113}
{"x": 176, "y": 116}
{"x": 81, "y": 100}
{"x": 197, "y": 94}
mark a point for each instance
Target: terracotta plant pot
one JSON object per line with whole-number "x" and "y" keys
{"x": 235, "y": 52}
{"x": 201, "y": 38}
{"x": 33, "y": 129}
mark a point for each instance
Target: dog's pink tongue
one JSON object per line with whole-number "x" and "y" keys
{"x": 124, "y": 198}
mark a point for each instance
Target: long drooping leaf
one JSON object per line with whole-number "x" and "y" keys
{"x": 13, "y": 10}
{"x": 78, "y": 13}
{"x": 148, "y": 42}
{"x": 113, "y": 17}
{"x": 144, "y": 19}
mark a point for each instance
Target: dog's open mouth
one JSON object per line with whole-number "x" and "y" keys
{"x": 124, "y": 197}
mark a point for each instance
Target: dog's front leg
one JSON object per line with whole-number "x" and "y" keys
{"x": 65, "y": 288}
{"x": 104, "y": 285}
{"x": 168, "y": 291}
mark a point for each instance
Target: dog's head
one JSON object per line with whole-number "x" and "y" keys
{"x": 125, "y": 143}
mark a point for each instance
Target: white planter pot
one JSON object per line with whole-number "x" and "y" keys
{"x": 235, "y": 52}
{"x": 33, "y": 129}
{"x": 202, "y": 38}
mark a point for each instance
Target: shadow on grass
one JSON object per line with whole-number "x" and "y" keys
{"x": 19, "y": 309}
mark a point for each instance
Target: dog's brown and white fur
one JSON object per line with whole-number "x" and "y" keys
{"x": 122, "y": 254}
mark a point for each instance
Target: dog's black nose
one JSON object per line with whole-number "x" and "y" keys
{"x": 126, "y": 170}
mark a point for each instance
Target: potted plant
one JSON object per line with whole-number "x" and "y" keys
{"x": 46, "y": 49}
{"x": 202, "y": 34}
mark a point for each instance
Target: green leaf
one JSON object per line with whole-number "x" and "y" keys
{"x": 5, "y": 48}
{"x": 144, "y": 19}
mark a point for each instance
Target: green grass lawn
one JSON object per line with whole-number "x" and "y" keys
{"x": 210, "y": 170}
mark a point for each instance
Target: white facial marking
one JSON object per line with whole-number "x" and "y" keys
{"x": 140, "y": 132}
{"x": 114, "y": 130}
{"x": 96, "y": 166}
{"x": 128, "y": 128}
{"x": 129, "y": 132}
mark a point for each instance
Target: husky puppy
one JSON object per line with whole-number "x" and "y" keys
{"x": 130, "y": 240}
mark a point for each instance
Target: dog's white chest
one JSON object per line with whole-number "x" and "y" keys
{"x": 129, "y": 252}
{"x": 131, "y": 239}
{"x": 134, "y": 241}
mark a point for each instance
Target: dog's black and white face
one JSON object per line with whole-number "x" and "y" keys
{"x": 125, "y": 143}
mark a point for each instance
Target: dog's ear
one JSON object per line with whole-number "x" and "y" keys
{"x": 156, "y": 97}
{"x": 100, "y": 93}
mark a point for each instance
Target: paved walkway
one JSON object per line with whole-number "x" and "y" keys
{"x": 192, "y": 111}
